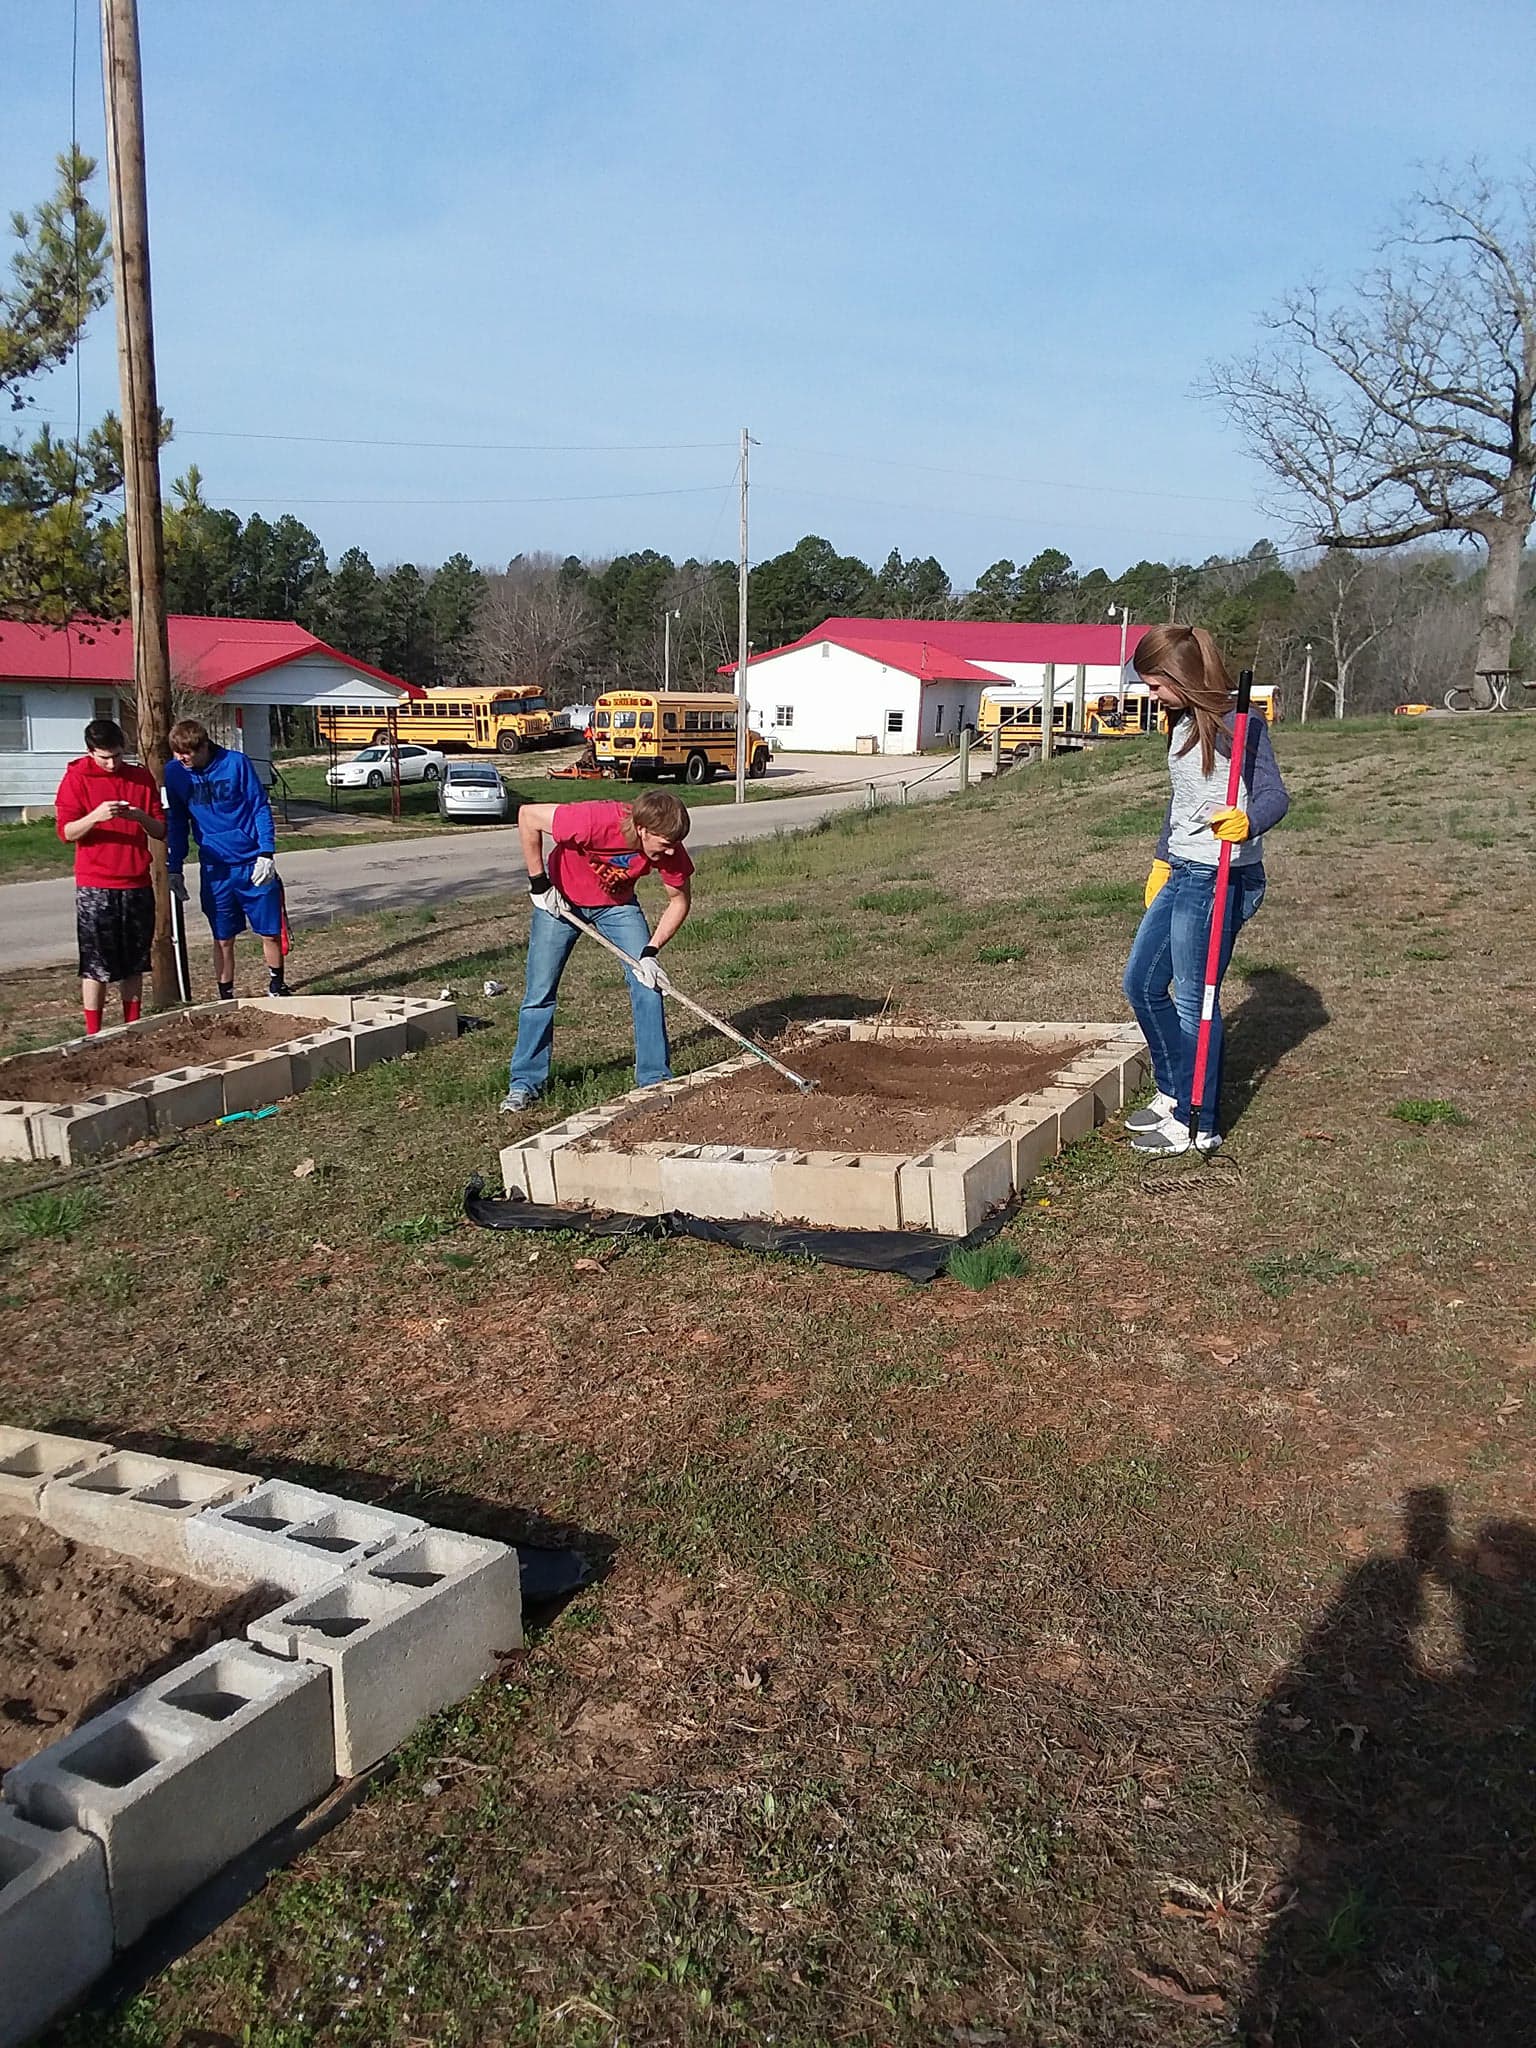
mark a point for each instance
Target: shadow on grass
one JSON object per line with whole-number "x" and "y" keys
{"x": 1401, "y": 1742}
{"x": 1279, "y": 1013}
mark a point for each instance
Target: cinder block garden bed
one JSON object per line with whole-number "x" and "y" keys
{"x": 321, "y": 1631}
{"x": 912, "y": 1127}
{"x": 92, "y": 1096}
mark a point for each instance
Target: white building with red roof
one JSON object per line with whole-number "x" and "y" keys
{"x": 907, "y": 684}
{"x": 231, "y": 673}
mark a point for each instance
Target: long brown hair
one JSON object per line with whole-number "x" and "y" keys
{"x": 1189, "y": 658}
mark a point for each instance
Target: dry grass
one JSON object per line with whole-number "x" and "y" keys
{"x": 1048, "y": 1664}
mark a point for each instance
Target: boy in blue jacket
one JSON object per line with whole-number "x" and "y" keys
{"x": 216, "y": 794}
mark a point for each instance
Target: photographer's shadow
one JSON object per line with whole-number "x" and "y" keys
{"x": 1401, "y": 1740}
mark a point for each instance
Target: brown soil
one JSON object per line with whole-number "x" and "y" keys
{"x": 80, "y": 1628}
{"x": 901, "y": 1095}
{"x": 70, "y": 1076}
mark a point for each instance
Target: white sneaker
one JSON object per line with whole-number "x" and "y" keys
{"x": 1157, "y": 1111}
{"x": 1169, "y": 1137}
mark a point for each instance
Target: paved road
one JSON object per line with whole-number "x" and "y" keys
{"x": 37, "y": 922}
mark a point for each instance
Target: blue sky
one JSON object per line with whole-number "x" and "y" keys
{"x": 958, "y": 267}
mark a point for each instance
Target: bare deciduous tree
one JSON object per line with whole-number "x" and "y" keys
{"x": 534, "y": 626}
{"x": 1407, "y": 410}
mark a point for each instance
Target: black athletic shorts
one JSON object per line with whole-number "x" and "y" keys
{"x": 116, "y": 930}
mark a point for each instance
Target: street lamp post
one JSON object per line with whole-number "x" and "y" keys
{"x": 666, "y": 652}
{"x": 1125, "y": 622}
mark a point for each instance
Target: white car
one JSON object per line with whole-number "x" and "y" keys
{"x": 370, "y": 769}
{"x": 472, "y": 789}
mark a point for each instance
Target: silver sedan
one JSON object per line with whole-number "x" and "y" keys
{"x": 472, "y": 790}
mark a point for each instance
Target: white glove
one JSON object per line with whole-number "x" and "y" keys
{"x": 263, "y": 870}
{"x": 649, "y": 973}
{"x": 548, "y": 898}
{"x": 177, "y": 884}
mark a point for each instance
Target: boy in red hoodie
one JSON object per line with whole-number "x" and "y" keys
{"x": 109, "y": 810}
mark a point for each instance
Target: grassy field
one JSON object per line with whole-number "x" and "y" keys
{"x": 1134, "y": 1644}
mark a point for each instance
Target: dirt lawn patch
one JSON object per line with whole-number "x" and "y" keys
{"x": 902, "y": 1095}
{"x": 69, "y": 1076}
{"x": 80, "y": 1629}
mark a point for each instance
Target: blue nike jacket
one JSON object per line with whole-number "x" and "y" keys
{"x": 225, "y": 807}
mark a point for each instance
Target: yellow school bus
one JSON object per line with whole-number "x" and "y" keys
{"x": 458, "y": 721}
{"x": 1014, "y": 714}
{"x": 687, "y": 733}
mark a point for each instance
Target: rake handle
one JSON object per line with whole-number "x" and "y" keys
{"x": 1219, "y": 909}
{"x": 698, "y": 1009}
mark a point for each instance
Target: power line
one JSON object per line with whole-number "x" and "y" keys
{"x": 587, "y": 498}
{"x": 1042, "y": 483}
{"x": 1035, "y": 519}
{"x": 471, "y": 447}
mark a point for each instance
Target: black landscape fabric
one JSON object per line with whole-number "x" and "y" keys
{"x": 916, "y": 1254}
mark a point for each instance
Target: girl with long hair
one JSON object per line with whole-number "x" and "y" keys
{"x": 1165, "y": 974}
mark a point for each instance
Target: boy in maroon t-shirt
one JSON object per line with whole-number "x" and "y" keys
{"x": 601, "y": 850}
{"x": 109, "y": 810}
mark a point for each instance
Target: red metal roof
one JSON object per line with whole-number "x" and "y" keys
{"x": 209, "y": 655}
{"x": 910, "y": 643}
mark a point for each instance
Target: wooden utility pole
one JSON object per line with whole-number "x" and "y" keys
{"x": 123, "y": 90}
{"x": 741, "y": 634}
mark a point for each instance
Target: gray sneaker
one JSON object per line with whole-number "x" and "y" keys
{"x": 1168, "y": 1138}
{"x": 516, "y": 1100}
{"x": 1157, "y": 1111}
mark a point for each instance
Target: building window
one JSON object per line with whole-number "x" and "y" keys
{"x": 104, "y": 707}
{"x": 893, "y": 722}
{"x": 783, "y": 714}
{"x": 938, "y": 717}
{"x": 13, "y": 722}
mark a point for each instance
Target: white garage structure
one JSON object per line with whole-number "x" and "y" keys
{"x": 909, "y": 684}
{"x": 231, "y": 673}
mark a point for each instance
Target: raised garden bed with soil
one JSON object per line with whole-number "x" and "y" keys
{"x": 199, "y": 1038}
{"x": 81, "y": 1628}
{"x": 911, "y": 1127}
{"x": 166, "y": 1073}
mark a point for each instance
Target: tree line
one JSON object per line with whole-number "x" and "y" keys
{"x": 1401, "y": 419}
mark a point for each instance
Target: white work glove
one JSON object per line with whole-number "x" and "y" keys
{"x": 650, "y": 973}
{"x": 263, "y": 870}
{"x": 546, "y": 896}
{"x": 177, "y": 884}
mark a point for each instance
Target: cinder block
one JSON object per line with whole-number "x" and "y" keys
{"x": 514, "y": 1170}
{"x": 724, "y": 1181}
{"x": 968, "y": 1177}
{"x": 186, "y": 1774}
{"x": 318, "y": 1056}
{"x": 324, "y": 1009}
{"x": 428, "y": 1021}
{"x": 252, "y": 1080}
{"x": 16, "y": 1140}
{"x": 30, "y": 1458}
{"x": 1099, "y": 1076}
{"x": 1135, "y": 1073}
{"x": 914, "y": 1194}
{"x": 1076, "y": 1111}
{"x": 1035, "y": 1145}
{"x": 97, "y": 1124}
{"x": 626, "y": 1181}
{"x": 181, "y": 1098}
{"x": 137, "y": 1505}
{"x": 381, "y": 1039}
{"x": 55, "y": 1923}
{"x": 288, "y": 1536}
{"x": 839, "y": 1190}
{"x": 411, "y": 1632}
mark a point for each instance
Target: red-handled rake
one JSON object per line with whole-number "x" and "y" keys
{"x": 688, "y": 1003}
{"x": 1219, "y": 910}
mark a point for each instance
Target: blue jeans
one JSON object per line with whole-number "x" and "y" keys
{"x": 1165, "y": 976}
{"x": 550, "y": 940}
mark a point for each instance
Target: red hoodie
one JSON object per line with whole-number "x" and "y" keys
{"x": 114, "y": 855}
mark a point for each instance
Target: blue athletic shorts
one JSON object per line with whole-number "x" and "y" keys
{"x": 230, "y": 903}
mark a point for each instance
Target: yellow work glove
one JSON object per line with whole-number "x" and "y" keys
{"x": 1229, "y": 824}
{"x": 1159, "y": 875}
